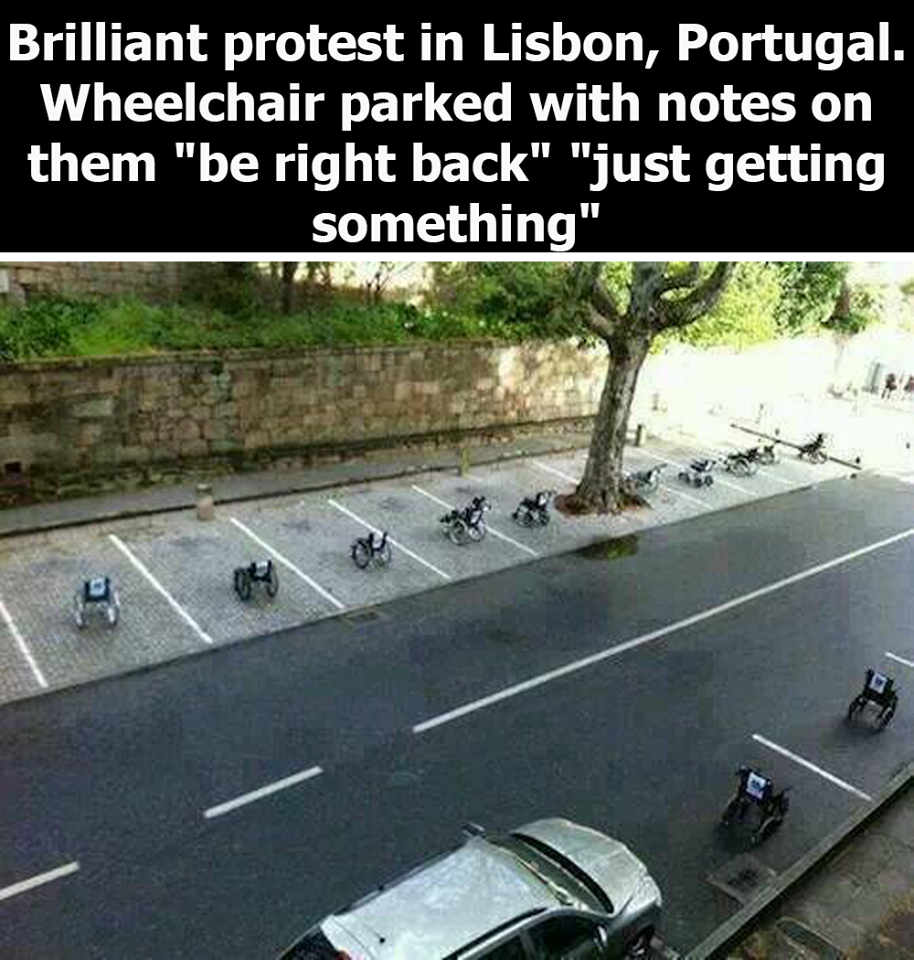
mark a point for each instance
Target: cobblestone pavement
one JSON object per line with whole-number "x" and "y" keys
{"x": 860, "y": 906}
{"x": 174, "y": 573}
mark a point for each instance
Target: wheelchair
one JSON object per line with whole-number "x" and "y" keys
{"x": 260, "y": 573}
{"x": 97, "y": 595}
{"x": 468, "y": 525}
{"x": 814, "y": 451}
{"x": 698, "y": 473}
{"x": 756, "y": 791}
{"x": 740, "y": 465}
{"x": 534, "y": 510}
{"x": 368, "y": 550}
{"x": 880, "y": 691}
{"x": 643, "y": 482}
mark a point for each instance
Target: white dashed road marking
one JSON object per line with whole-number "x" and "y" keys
{"x": 23, "y": 646}
{"x": 495, "y": 533}
{"x": 396, "y": 543}
{"x": 16, "y": 889}
{"x": 556, "y": 473}
{"x": 811, "y": 766}
{"x": 897, "y": 659}
{"x": 289, "y": 565}
{"x": 266, "y": 791}
{"x": 178, "y": 609}
{"x": 607, "y": 654}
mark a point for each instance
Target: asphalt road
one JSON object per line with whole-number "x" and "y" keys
{"x": 641, "y": 743}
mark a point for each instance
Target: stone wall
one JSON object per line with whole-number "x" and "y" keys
{"x": 147, "y": 280}
{"x": 89, "y": 417}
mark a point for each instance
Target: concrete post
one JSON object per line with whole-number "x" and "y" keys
{"x": 206, "y": 506}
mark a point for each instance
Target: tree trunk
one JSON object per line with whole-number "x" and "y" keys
{"x": 600, "y": 489}
{"x": 289, "y": 271}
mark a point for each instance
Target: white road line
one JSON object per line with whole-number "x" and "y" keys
{"x": 178, "y": 609}
{"x": 492, "y": 530}
{"x": 686, "y": 496}
{"x": 811, "y": 766}
{"x": 288, "y": 564}
{"x": 895, "y": 657}
{"x": 717, "y": 478}
{"x": 556, "y": 473}
{"x": 396, "y": 543}
{"x": 266, "y": 791}
{"x": 607, "y": 654}
{"x": 16, "y": 889}
{"x": 23, "y": 647}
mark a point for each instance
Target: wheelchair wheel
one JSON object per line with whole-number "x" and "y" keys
{"x": 653, "y": 485}
{"x": 684, "y": 477}
{"x": 243, "y": 586}
{"x": 766, "y": 829}
{"x": 857, "y": 704}
{"x": 385, "y": 555}
{"x": 478, "y": 531}
{"x": 79, "y": 612}
{"x": 543, "y": 518}
{"x": 708, "y": 481}
{"x": 458, "y": 533}
{"x": 740, "y": 468}
{"x": 113, "y": 612}
{"x": 731, "y": 811}
{"x": 272, "y": 584}
{"x": 885, "y": 717}
{"x": 524, "y": 517}
{"x": 361, "y": 555}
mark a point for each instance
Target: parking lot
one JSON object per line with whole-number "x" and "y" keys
{"x": 174, "y": 573}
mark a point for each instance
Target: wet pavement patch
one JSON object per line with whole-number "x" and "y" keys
{"x": 743, "y": 878}
{"x": 616, "y": 548}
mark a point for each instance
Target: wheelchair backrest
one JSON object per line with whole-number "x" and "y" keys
{"x": 97, "y": 590}
{"x": 261, "y": 569}
{"x": 878, "y": 683}
{"x": 757, "y": 786}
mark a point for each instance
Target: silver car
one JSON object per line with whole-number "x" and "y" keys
{"x": 552, "y": 889}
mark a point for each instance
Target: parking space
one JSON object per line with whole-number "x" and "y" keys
{"x": 316, "y": 536}
{"x": 175, "y": 574}
{"x": 40, "y": 580}
{"x": 194, "y": 563}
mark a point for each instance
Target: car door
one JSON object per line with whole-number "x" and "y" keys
{"x": 568, "y": 938}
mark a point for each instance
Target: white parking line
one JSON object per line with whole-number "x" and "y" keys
{"x": 396, "y": 543}
{"x": 16, "y": 889}
{"x": 686, "y": 496}
{"x": 897, "y": 659}
{"x": 178, "y": 609}
{"x": 289, "y": 565}
{"x": 717, "y": 479}
{"x": 266, "y": 791}
{"x": 494, "y": 532}
{"x": 23, "y": 648}
{"x": 811, "y": 766}
{"x": 607, "y": 654}
{"x": 556, "y": 473}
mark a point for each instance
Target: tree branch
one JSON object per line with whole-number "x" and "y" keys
{"x": 681, "y": 281}
{"x": 702, "y": 300}
{"x": 602, "y": 313}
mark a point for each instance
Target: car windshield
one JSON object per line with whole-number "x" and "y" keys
{"x": 558, "y": 891}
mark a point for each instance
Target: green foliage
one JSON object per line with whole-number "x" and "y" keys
{"x": 809, "y": 291}
{"x": 229, "y": 288}
{"x": 857, "y": 309}
{"x": 746, "y": 314}
{"x": 907, "y": 288}
{"x": 44, "y": 327}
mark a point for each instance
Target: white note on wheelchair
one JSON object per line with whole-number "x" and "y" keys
{"x": 756, "y": 786}
{"x": 878, "y": 683}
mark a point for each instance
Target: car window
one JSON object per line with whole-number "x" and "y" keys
{"x": 512, "y": 949}
{"x": 567, "y": 938}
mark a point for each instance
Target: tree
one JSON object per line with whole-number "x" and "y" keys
{"x": 657, "y": 300}
{"x": 289, "y": 270}
{"x": 385, "y": 271}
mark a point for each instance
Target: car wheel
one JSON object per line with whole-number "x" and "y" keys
{"x": 640, "y": 947}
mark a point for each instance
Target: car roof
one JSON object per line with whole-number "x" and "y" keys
{"x": 452, "y": 902}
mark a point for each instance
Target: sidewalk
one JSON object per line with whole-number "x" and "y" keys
{"x": 860, "y": 905}
{"x": 272, "y": 482}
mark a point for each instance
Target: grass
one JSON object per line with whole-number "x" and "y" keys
{"x": 57, "y": 327}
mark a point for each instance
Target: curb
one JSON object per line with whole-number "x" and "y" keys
{"x": 854, "y": 465}
{"x": 291, "y": 490}
{"x": 735, "y": 930}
